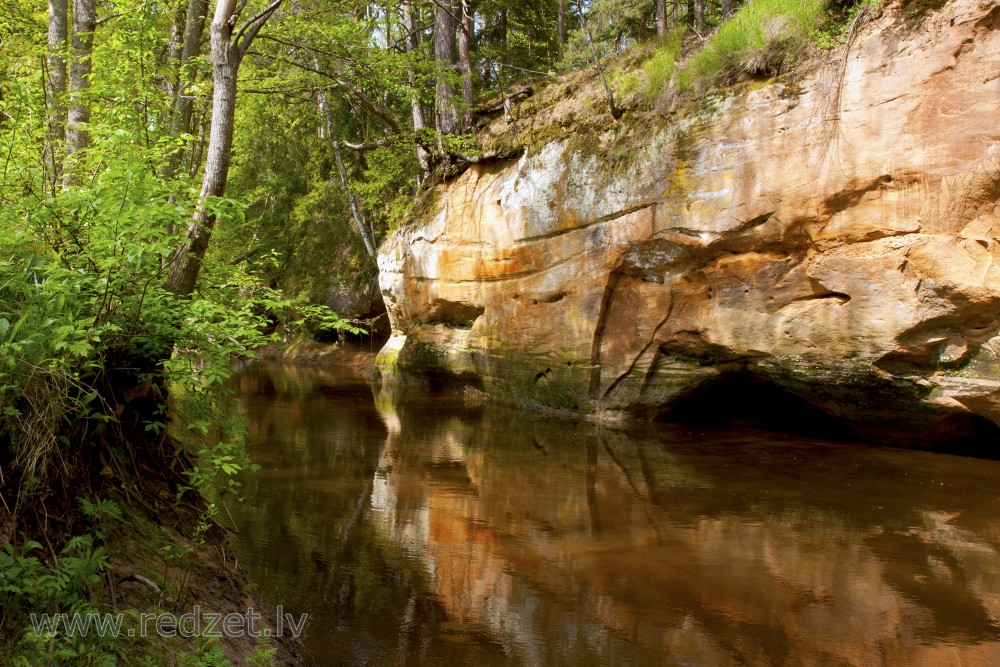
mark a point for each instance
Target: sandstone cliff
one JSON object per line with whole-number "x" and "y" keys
{"x": 834, "y": 236}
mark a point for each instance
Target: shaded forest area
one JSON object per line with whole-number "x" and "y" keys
{"x": 183, "y": 183}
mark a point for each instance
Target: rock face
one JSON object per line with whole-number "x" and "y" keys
{"x": 834, "y": 237}
{"x": 354, "y": 300}
{"x": 359, "y": 301}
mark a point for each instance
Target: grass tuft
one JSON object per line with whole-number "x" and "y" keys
{"x": 660, "y": 68}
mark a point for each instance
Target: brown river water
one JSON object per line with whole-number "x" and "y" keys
{"x": 429, "y": 532}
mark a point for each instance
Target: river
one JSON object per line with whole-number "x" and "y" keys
{"x": 435, "y": 531}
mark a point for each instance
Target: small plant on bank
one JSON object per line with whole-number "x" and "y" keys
{"x": 29, "y": 586}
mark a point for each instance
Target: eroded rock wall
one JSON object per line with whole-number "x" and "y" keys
{"x": 836, "y": 235}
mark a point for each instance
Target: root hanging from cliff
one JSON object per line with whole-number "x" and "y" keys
{"x": 830, "y": 112}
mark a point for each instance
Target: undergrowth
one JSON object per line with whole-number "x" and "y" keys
{"x": 112, "y": 389}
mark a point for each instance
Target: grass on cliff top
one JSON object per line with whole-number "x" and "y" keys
{"x": 764, "y": 38}
{"x": 659, "y": 69}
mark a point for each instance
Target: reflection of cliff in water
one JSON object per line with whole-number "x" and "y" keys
{"x": 419, "y": 531}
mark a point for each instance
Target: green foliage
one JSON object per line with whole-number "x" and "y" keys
{"x": 263, "y": 655}
{"x": 840, "y": 18}
{"x": 28, "y": 582}
{"x": 92, "y": 303}
{"x": 613, "y": 24}
{"x": 388, "y": 186}
{"x": 41, "y": 332}
{"x": 297, "y": 231}
{"x": 762, "y": 39}
{"x": 82, "y": 297}
{"x": 322, "y": 321}
{"x": 90, "y": 340}
{"x": 29, "y": 586}
{"x": 101, "y": 513}
{"x": 207, "y": 653}
{"x": 515, "y": 36}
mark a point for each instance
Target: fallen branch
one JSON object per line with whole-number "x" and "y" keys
{"x": 507, "y": 101}
{"x": 139, "y": 579}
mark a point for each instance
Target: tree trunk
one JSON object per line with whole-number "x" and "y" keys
{"x": 661, "y": 17}
{"x": 444, "y": 54}
{"x": 616, "y": 113}
{"x": 198, "y": 147}
{"x": 84, "y": 24}
{"x": 356, "y": 217}
{"x": 699, "y": 15}
{"x": 689, "y": 15}
{"x": 727, "y": 9}
{"x": 174, "y": 46}
{"x": 503, "y": 33}
{"x": 561, "y": 25}
{"x": 56, "y": 91}
{"x": 194, "y": 27}
{"x": 227, "y": 53}
{"x": 411, "y": 44}
{"x": 465, "y": 62}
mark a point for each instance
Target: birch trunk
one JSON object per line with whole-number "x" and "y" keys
{"x": 56, "y": 90}
{"x": 77, "y": 139}
{"x": 227, "y": 52}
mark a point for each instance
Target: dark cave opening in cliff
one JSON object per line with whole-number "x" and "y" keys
{"x": 745, "y": 399}
{"x": 967, "y": 434}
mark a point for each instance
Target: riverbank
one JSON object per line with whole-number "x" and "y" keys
{"x": 303, "y": 351}
{"x": 168, "y": 575}
{"x": 145, "y": 583}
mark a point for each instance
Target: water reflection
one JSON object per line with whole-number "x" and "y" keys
{"x": 426, "y": 532}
